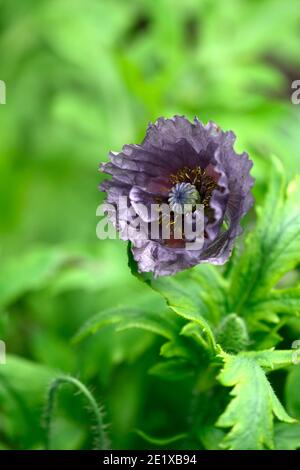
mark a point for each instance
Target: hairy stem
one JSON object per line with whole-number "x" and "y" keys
{"x": 97, "y": 428}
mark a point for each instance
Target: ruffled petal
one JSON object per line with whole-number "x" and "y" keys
{"x": 145, "y": 173}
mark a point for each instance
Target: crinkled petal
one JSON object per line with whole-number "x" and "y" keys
{"x": 143, "y": 173}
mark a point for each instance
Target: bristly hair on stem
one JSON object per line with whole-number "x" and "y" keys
{"x": 97, "y": 427}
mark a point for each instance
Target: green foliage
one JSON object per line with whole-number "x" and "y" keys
{"x": 97, "y": 424}
{"x": 232, "y": 334}
{"x": 272, "y": 250}
{"x": 292, "y": 391}
{"x": 287, "y": 437}
{"x": 250, "y": 413}
{"x": 156, "y": 322}
{"x": 22, "y": 392}
{"x": 29, "y": 272}
{"x": 200, "y": 341}
{"x": 84, "y": 78}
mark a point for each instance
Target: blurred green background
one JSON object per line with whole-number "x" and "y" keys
{"x": 84, "y": 77}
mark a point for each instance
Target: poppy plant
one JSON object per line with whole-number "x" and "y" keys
{"x": 181, "y": 163}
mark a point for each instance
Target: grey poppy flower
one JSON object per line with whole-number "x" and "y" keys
{"x": 179, "y": 163}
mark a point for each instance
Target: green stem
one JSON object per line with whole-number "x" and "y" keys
{"x": 98, "y": 429}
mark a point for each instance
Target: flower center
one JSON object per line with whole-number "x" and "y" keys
{"x": 182, "y": 194}
{"x": 203, "y": 183}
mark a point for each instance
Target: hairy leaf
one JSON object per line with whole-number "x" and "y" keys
{"x": 272, "y": 249}
{"x": 251, "y": 412}
{"x": 197, "y": 293}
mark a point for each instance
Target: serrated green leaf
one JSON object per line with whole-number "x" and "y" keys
{"x": 200, "y": 291}
{"x": 189, "y": 294}
{"x": 277, "y": 301}
{"x": 181, "y": 295}
{"x": 271, "y": 250}
{"x": 272, "y": 359}
{"x": 250, "y": 413}
{"x": 160, "y": 323}
{"x": 214, "y": 289}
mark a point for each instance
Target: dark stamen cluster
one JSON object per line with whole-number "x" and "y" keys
{"x": 204, "y": 183}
